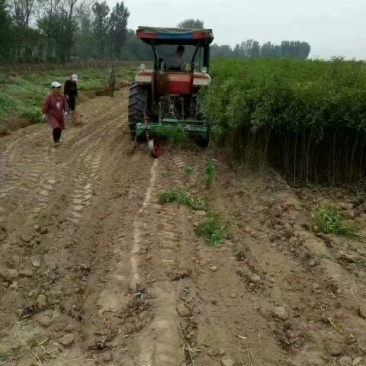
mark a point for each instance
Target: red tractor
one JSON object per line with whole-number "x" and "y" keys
{"x": 169, "y": 93}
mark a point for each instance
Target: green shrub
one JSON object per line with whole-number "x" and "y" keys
{"x": 306, "y": 117}
{"x": 330, "y": 221}
{"x": 34, "y": 115}
{"x": 210, "y": 173}
{"x": 213, "y": 230}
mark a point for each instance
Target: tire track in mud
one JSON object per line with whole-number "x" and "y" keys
{"x": 87, "y": 169}
{"x": 29, "y": 165}
{"x": 312, "y": 295}
{"x": 160, "y": 342}
{"x": 44, "y": 179}
{"x": 57, "y": 168}
{"x": 139, "y": 301}
{"x": 39, "y": 174}
{"x": 61, "y": 181}
{"x": 13, "y": 163}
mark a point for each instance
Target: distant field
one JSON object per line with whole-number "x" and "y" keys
{"x": 308, "y": 118}
{"x": 22, "y": 91}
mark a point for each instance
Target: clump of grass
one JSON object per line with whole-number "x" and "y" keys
{"x": 34, "y": 115}
{"x": 210, "y": 173}
{"x": 188, "y": 171}
{"x": 26, "y": 341}
{"x": 183, "y": 198}
{"x": 5, "y": 354}
{"x": 166, "y": 174}
{"x": 330, "y": 221}
{"x": 174, "y": 134}
{"x": 213, "y": 230}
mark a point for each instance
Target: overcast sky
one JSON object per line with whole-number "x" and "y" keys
{"x": 332, "y": 27}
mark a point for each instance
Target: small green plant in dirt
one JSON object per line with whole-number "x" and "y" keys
{"x": 188, "y": 171}
{"x": 174, "y": 134}
{"x": 183, "y": 198}
{"x": 330, "y": 221}
{"x": 324, "y": 256}
{"x": 213, "y": 230}
{"x": 210, "y": 173}
{"x": 167, "y": 175}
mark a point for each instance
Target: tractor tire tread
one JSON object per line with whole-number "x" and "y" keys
{"x": 136, "y": 107}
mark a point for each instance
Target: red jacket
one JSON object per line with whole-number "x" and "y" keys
{"x": 54, "y": 107}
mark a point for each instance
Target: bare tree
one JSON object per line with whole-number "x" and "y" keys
{"x": 57, "y": 21}
{"x": 21, "y": 12}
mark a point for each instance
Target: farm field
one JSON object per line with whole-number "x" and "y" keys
{"x": 109, "y": 257}
{"x": 24, "y": 88}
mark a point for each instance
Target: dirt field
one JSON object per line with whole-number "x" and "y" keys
{"x": 93, "y": 270}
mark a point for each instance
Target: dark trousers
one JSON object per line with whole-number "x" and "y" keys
{"x": 56, "y": 134}
{"x": 72, "y": 102}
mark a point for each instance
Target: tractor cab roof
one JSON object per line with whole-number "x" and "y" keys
{"x": 174, "y": 36}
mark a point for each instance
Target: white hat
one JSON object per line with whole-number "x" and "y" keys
{"x": 74, "y": 77}
{"x": 56, "y": 84}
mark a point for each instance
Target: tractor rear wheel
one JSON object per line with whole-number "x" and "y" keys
{"x": 137, "y": 106}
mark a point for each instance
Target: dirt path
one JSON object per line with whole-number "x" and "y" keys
{"x": 93, "y": 270}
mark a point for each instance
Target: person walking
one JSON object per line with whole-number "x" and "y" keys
{"x": 71, "y": 92}
{"x": 112, "y": 81}
{"x": 54, "y": 108}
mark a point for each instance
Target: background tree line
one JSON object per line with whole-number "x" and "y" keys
{"x": 251, "y": 49}
{"x": 36, "y": 31}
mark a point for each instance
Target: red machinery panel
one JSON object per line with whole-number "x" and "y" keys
{"x": 179, "y": 83}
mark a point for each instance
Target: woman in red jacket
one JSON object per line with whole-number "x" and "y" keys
{"x": 54, "y": 107}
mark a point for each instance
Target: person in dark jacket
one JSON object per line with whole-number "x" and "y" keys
{"x": 71, "y": 91}
{"x": 112, "y": 81}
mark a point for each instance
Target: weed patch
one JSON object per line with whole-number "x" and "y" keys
{"x": 34, "y": 115}
{"x": 27, "y": 342}
{"x": 210, "y": 173}
{"x": 167, "y": 175}
{"x": 330, "y": 221}
{"x": 183, "y": 198}
{"x": 213, "y": 230}
{"x": 188, "y": 171}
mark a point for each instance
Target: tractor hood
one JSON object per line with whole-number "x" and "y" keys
{"x": 174, "y": 36}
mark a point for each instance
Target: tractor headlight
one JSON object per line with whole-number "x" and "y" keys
{"x": 142, "y": 67}
{"x": 204, "y": 69}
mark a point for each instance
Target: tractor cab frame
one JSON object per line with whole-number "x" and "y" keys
{"x": 165, "y": 96}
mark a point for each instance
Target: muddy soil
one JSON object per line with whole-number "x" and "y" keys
{"x": 94, "y": 270}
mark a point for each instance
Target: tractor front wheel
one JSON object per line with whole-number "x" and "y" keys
{"x": 137, "y": 107}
